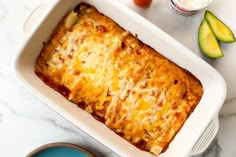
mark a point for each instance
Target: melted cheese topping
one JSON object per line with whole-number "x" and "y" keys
{"x": 139, "y": 94}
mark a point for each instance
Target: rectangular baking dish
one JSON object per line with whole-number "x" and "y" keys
{"x": 199, "y": 129}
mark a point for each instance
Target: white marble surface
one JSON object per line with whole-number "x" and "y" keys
{"x": 26, "y": 123}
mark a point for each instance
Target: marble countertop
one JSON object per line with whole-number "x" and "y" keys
{"x": 26, "y": 122}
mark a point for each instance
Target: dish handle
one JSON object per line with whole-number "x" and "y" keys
{"x": 35, "y": 17}
{"x": 206, "y": 138}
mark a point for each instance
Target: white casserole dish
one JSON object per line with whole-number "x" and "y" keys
{"x": 199, "y": 129}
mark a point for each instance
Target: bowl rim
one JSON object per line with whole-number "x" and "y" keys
{"x": 59, "y": 144}
{"x": 192, "y": 8}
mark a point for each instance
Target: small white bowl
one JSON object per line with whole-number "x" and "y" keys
{"x": 188, "y": 7}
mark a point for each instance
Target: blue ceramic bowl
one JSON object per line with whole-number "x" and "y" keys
{"x": 60, "y": 149}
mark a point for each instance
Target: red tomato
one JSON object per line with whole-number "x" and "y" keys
{"x": 142, "y": 3}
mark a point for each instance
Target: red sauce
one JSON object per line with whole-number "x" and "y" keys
{"x": 57, "y": 87}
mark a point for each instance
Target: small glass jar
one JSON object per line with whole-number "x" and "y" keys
{"x": 143, "y": 3}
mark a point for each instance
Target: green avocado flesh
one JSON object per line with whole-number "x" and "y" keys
{"x": 221, "y": 31}
{"x": 208, "y": 42}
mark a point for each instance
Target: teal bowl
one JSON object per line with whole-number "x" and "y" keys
{"x": 60, "y": 149}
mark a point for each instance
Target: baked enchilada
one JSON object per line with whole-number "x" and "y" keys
{"x": 121, "y": 81}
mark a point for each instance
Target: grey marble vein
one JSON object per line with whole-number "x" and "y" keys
{"x": 2, "y": 12}
{"x": 229, "y": 109}
{"x": 230, "y": 115}
{"x": 213, "y": 150}
{"x": 2, "y": 74}
{"x": 54, "y": 123}
{"x": 51, "y": 121}
{"x": 231, "y": 100}
{"x": 1, "y": 115}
